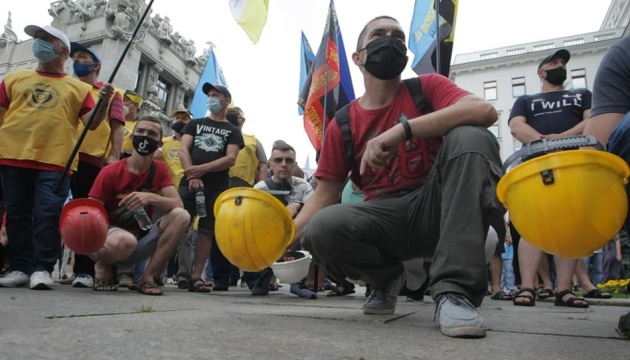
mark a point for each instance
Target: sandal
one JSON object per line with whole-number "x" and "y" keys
{"x": 198, "y": 285}
{"x": 104, "y": 285}
{"x": 597, "y": 294}
{"x": 501, "y": 295}
{"x": 341, "y": 290}
{"x": 519, "y": 294}
{"x": 545, "y": 293}
{"x": 574, "y": 302}
{"x": 149, "y": 288}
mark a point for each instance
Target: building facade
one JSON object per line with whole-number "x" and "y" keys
{"x": 503, "y": 74}
{"x": 160, "y": 65}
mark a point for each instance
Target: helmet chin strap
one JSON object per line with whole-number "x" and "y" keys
{"x": 543, "y": 146}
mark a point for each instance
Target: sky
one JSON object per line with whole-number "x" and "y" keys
{"x": 263, "y": 78}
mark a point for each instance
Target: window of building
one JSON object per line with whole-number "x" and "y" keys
{"x": 139, "y": 78}
{"x": 518, "y": 86}
{"x": 186, "y": 101}
{"x": 164, "y": 92}
{"x": 490, "y": 90}
{"x": 578, "y": 78}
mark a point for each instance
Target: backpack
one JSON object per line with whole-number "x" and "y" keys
{"x": 342, "y": 116}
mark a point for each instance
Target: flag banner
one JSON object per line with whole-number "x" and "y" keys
{"x": 328, "y": 86}
{"x": 212, "y": 74}
{"x": 251, "y": 15}
{"x": 307, "y": 57}
{"x": 423, "y": 34}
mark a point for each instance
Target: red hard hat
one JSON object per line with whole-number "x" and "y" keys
{"x": 83, "y": 225}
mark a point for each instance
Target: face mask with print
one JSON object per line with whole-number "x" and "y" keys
{"x": 144, "y": 145}
{"x": 556, "y": 76}
{"x": 214, "y": 104}
{"x": 81, "y": 70}
{"x": 386, "y": 58}
{"x": 43, "y": 51}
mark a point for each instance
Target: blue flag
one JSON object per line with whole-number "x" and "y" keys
{"x": 423, "y": 34}
{"x": 328, "y": 86}
{"x": 306, "y": 61}
{"x": 212, "y": 74}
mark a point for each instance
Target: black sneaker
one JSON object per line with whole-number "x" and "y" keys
{"x": 262, "y": 284}
{"x": 220, "y": 287}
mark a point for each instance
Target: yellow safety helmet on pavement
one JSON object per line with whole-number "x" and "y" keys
{"x": 252, "y": 228}
{"x": 567, "y": 203}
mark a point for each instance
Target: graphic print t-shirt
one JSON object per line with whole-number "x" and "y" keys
{"x": 210, "y": 141}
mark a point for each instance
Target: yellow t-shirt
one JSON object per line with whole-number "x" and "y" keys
{"x": 42, "y": 119}
{"x": 127, "y": 145}
{"x": 247, "y": 162}
{"x": 170, "y": 156}
{"x": 97, "y": 141}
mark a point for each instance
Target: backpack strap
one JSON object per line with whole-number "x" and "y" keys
{"x": 415, "y": 89}
{"x": 149, "y": 183}
{"x": 343, "y": 120}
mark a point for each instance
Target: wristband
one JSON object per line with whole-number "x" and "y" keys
{"x": 405, "y": 123}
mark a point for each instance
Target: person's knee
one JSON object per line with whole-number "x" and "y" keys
{"x": 177, "y": 218}
{"x": 322, "y": 233}
{"x": 120, "y": 245}
{"x": 467, "y": 137}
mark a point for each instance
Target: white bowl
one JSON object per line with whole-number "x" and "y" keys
{"x": 290, "y": 272}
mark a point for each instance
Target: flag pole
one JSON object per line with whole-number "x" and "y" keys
{"x": 86, "y": 128}
{"x": 437, "y": 36}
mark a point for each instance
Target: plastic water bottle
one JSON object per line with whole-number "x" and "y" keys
{"x": 143, "y": 219}
{"x": 200, "y": 200}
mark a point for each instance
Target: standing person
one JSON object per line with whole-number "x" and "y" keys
{"x": 610, "y": 121}
{"x": 170, "y": 155}
{"x": 250, "y": 167}
{"x": 138, "y": 182}
{"x": 100, "y": 147}
{"x": 131, "y": 102}
{"x": 40, "y": 111}
{"x": 209, "y": 148}
{"x": 410, "y": 170}
{"x": 550, "y": 114}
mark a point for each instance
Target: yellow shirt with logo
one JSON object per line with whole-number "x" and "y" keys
{"x": 41, "y": 122}
{"x": 127, "y": 146}
{"x": 247, "y": 161}
{"x": 97, "y": 143}
{"x": 170, "y": 156}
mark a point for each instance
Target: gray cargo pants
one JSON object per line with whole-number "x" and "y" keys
{"x": 446, "y": 219}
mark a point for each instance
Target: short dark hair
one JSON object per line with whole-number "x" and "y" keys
{"x": 150, "y": 118}
{"x": 281, "y": 145}
{"x": 362, "y": 33}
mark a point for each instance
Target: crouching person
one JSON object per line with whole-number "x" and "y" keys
{"x": 129, "y": 190}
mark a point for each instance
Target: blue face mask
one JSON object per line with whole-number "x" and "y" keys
{"x": 214, "y": 104}
{"x": 43, "y": 51}
{"x": 82, "y": 70}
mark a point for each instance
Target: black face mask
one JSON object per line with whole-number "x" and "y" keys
{"x": 178, "y": 127}
{"x": 556, "y": 76}
{"x": 144, "y": 145}
{"x": 386, "y": 58}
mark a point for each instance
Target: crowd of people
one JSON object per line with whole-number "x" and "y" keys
{"x": 386, "y": 201}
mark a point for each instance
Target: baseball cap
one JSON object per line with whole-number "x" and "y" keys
{"x": 180, "y": 109}
{"x": 75, "y": 46}
{"x": 562, "y": 54}
{"x": 220, "y": 88}
{"x": 133, "y": 96}
{"x": 33, "y": 30}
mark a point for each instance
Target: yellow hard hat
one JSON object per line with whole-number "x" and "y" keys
{"x": 567, "y": 203}
{"x": 252, "y": 228}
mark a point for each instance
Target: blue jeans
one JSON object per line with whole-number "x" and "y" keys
{"x": 619, "y": 145}
{"x": 597, "y": 261}
{"x": 507, "y": 276}
{"x": 33, "y": 210}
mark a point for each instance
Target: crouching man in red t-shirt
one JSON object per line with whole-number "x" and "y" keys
{"x": 138, "y": 183}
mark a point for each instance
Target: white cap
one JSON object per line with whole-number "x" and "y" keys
{"x": 32, "y": 30}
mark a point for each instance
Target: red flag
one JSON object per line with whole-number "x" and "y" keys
{"x": 328, "y": 86}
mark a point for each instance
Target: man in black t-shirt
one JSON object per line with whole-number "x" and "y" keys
{"x": 550, "y": 114}
{"x": 209, "y": 148}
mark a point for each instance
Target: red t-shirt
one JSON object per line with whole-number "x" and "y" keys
{"x": 409, "y": 166}
{"x": 115, "y": 181}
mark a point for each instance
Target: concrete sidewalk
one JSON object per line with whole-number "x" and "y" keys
{"x": 72, "y": 323}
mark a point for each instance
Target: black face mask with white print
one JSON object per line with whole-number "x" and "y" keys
{"x": 144, "y": 145}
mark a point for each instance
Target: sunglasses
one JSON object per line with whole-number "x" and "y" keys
{"x": 279, "y": 160}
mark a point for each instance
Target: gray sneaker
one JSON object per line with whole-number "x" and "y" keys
{"x": 459, "y": 317}
{"x": 383, "y": 301}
